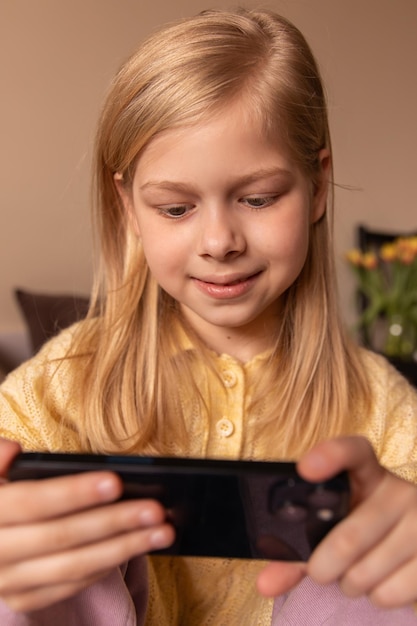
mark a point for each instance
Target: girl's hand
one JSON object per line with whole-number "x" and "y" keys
{"x": 59, "y": 535}
{"x": 373, "y": 551}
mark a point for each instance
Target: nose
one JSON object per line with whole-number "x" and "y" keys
{"x": 221, "y": 234}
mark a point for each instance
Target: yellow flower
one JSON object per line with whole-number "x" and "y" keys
{"x": 406, "y": 249}
{"x": 354, "y": 257}
{"x": 369, "y": 260}
{"x": 388, "y": 252}
{"x": 412, "y": 241}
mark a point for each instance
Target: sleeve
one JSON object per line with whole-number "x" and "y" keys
{"x": 108, "y": 602}
{"x": 392, "y": 425}
{"x": 310, "y": 603}
{"x": 34, "y": 398}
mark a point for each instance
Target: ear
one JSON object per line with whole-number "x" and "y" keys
{"x": 126, "y": 196}
{"x": 321, "y": 188}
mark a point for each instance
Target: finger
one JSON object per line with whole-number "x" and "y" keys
{"x": 279, "y": 577}
{"x": 354, "y": 454}
{"x": 26, "y": 501}
{"x": 81, "y": 564}
{"x": 8, "y": 451}
{"x": 30, "y": 541}
{"x": 399, "y": 589}
{"x": 369, "y": 525}
{"x": 386, "y": 557}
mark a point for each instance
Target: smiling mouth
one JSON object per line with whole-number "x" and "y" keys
{"x": 235, "y": 288}
{"x": 229, "y": 283}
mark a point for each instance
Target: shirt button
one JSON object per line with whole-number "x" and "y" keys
{"x": 225, "y": 427}
{"x": 229, "y": 378}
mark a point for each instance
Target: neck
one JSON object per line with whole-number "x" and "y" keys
{"x": 238, "y": 343}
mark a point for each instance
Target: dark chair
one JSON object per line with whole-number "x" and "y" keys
{"x": 368, "y": 239}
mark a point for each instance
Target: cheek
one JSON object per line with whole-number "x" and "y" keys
{"x": 164, "y": 258}
{"x": 288, "y": 239}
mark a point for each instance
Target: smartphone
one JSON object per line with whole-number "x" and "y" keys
{"x": 219, "y": 508}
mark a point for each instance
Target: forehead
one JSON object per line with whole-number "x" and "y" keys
{"x": 231, "y": 135}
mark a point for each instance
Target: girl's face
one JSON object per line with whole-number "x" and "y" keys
{"x": 224, "y": 218}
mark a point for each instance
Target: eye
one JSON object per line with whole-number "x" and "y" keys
{"x": 258, "y": 202}
{"x": 175, "y": 211}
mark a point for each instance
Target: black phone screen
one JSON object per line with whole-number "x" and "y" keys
{"x": 239, "y": 509}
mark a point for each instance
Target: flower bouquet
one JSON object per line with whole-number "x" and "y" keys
{"x": 387, "y": 283}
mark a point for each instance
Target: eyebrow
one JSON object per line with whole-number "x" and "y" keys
{"x": 241, "y": 181}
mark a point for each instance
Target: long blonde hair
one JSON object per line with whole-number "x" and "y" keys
{"x": 129, "y": 396}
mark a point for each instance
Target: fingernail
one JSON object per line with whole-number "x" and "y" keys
{"x": 108, "y": 489}
{"x": 316, "y": 460}
{"x": 160, "y": 538}
{"x": 148, "y": 517}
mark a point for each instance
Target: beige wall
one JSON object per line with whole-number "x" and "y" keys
{"x": 56, "y": 58}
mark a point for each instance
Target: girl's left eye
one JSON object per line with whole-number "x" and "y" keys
{"x": 258, "y": 202}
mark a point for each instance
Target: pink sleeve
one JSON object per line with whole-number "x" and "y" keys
{"x": 313, "y": 605}
{"x": 106, "y": 603}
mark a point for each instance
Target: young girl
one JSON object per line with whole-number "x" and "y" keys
{"x": 214, "y": 332}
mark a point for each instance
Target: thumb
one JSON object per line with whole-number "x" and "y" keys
{"x": 354, "y": 454}
{"x": 8, "y": 451}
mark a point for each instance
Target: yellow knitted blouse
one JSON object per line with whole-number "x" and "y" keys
{"x": 191, "y": 591}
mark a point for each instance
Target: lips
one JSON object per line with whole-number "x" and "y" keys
{"x": 233, "y": 279}
{"x": 226, "y": 287}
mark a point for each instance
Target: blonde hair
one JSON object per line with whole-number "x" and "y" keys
{"x": 130, "y": 399}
